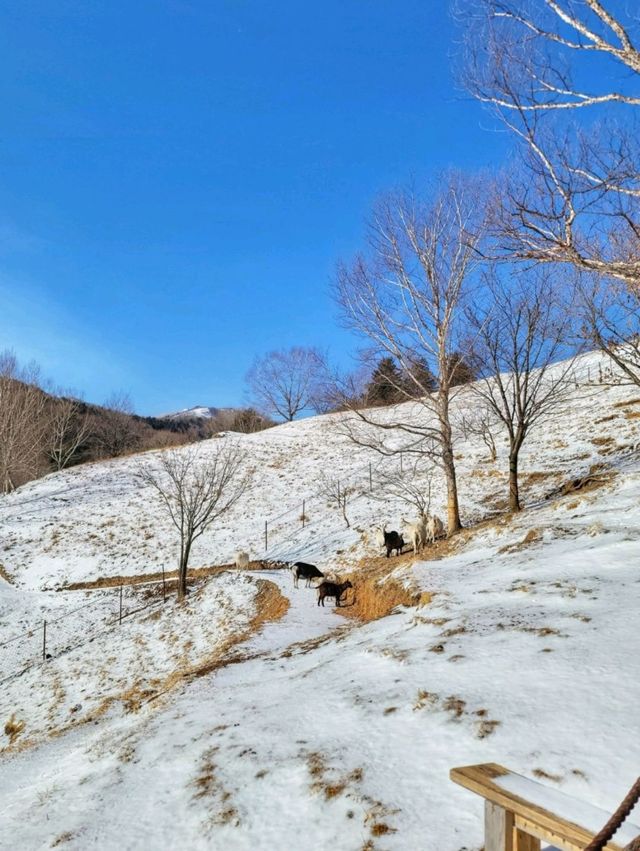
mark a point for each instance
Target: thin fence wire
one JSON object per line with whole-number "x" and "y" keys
{"x": 51, "y": 638}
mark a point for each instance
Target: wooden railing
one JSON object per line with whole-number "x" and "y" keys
{"x": 520, "y": 813}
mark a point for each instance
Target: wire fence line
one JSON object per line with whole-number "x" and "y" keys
{"x": 52, "y": 637}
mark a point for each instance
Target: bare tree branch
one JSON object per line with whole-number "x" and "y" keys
{"x": 577, "y": 201}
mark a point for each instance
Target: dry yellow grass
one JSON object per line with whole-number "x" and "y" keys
{"x": 375, "y": 597}
{"x": 604, "y": 440}
{"x": 533, "y": 536}
{"x": 376, "y": 593}
{"x": 170, "y": 576}
{"x": 4, "y": 574}
{"x": 538, "y": 476}
{"x": 635, "y": 401}
{"x": 13, "y": 728}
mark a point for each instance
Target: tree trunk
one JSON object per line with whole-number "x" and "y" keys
{"x": 514, "y": 493}
{"x": 182, "y": 571}
{"x": 344, "y": 512}
{"x": 448, "y": 462}
{"x": 453, "y": 508}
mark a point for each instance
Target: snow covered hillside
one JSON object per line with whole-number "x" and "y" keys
{"x": 252, "y": 719}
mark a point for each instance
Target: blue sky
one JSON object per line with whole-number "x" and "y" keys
{"x": 179, "y": 177}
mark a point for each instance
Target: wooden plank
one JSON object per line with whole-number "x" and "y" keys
{"x": 490, "y": 781}
{"x": 524, "y": 841}
{"x": 498, "y": 828}
{"x": 551, "y": 837}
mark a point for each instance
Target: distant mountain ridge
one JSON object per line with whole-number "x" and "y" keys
{"x": 199, "y": 412}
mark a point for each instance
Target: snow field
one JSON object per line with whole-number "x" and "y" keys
{"x": 326, "y": 732}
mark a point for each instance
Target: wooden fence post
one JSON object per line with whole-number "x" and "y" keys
{"x": 44, "y": 640}
{"x": 498, "y": 828}
{"x": 120, "y": 616}
{"x": 164, "y": 587}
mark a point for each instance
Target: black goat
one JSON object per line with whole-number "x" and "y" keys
{"x": 332, "y": 589}
{"x": 393, "y": 541}
{"x": 306, "y": 571}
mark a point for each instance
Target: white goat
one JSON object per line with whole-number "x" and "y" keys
{"x": 379, "y": 535}
{"x": 435, "y": 528}
{"x": 416, "y": 533}
{"x": 241, "y": 560}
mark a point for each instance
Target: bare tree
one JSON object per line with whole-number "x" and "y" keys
{"x": 116, "y": 431}
{"x": 69, "y": 428}
{"x": 195, "y": 490}
{"x": 337, "y": 494}
{"x": 481, "y": 422}
{"x": 544, "y": 68}
{"x": 405, "y": 294}
{"x": 285, "y": 383}
{"x": 413, "y": 485}
{"x": 521, "y": 330}
{"x": 611, "y": 311}
{"x": 23, "y": 423}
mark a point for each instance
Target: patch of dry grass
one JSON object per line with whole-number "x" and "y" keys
{"x": 13, "y": 728}
{"x": 533, "y": 536}
{"x": 635, "y": 401}
{"x": 4, "y": 574}
{"x": 597, "y": 477}
{"x": 603, "y": 440}
{"x": 376, "y": 596}
{"x": 62, "y": 839}
{"x": 538, "y": 476}
{"x": 545, "y": 775}
{"x": 170, "y": 577}
{"x": 330, "y": 787}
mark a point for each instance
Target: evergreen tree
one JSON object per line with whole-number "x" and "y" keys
{"x": 460, "y": 369}
{"x": 419, "y": 380}
{"x": 386, "y": 384}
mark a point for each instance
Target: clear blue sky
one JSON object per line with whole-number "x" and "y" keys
{"x": 178, "y": 177}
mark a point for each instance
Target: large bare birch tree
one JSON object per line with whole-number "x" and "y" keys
{"x": 405, "y": 295}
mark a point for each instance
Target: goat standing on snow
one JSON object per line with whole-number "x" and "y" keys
{"x": 435, "y": 528}
{"x": 241, "y": 560}
{"x": 390, "y": 540}
{"x": 393, "y": 541}
{"x": 416, "y": 533}
{"x": 306, "y": 571}
{"x": 332, "y": 589}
